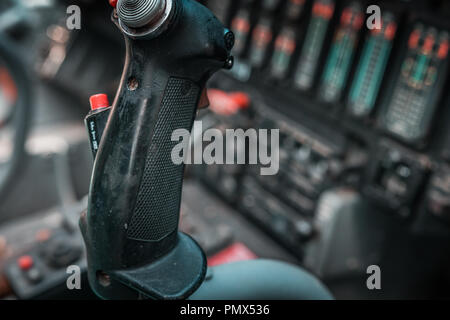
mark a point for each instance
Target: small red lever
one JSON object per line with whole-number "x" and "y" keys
{"x": 99, "y": 101}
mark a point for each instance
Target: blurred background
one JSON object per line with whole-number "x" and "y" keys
{"x": 364, "y": 119}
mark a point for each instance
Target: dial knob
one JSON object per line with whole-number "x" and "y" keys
{"x": 139, "y": 13}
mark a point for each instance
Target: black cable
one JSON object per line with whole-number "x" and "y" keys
{"x": 10, "y": 55}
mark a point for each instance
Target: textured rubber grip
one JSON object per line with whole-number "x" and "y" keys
{"x": 156, "y": 211}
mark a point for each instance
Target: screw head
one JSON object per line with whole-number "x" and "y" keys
{"x": 229, "y": 63}
{"x": 229, "y": 39}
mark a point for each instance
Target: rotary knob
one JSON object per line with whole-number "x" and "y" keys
{"x": 139, "y": 13}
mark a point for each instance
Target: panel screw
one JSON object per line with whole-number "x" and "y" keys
{"x": 132, "y": 84}
{"x": 229, "y": 39}
{"x": 229, "y": 63}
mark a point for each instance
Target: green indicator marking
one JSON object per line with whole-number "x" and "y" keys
{"x": 332, "y": 58}
{"x": 318, "y": 37}
{"x": 310, "y": 42}
{"x": 312, "y": 47}
{"x": 378, "y": 74}
{"x": 284, "y": 60}
{"x": 280, "y": 61}
{"x": 347, "y": 55}
{"x": 275, "y": 61}
{"x": 362, "y": 70}
{"x": 420, "y": 68}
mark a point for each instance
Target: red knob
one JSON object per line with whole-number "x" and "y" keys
{"x": 99, "y": 101}
{"x": 25, "y": 262}
{"x": 113, "y": 3}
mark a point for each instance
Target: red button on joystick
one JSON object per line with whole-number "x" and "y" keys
{"x": 113, "y": 3}
{"x": 99, "y": 101}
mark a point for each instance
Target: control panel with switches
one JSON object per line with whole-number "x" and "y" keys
{"x": 356, "y": 107}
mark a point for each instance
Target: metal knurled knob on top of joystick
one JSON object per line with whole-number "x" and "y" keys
{"x": 139, "y": 13}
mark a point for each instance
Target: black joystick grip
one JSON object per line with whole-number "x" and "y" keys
{"x": 135, "y": 192}
{"x": 155, "y": 214}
